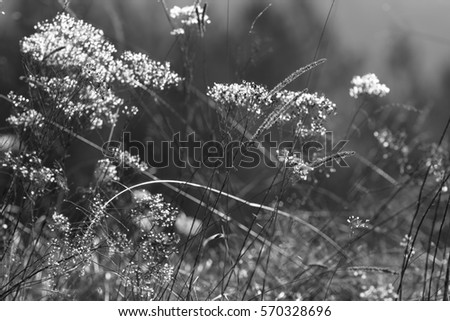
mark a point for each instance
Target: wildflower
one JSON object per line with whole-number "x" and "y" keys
{"x": 369, "y": 85}
{"x": 18, "y": 101}
{"x": 308, "y": 111}
{"x": 79, "y": 70}
{"x": 130, "y": 111}
{"x": 177, "y": 32}
{"x": 138, "y": 70}
{"x": 126, "y": 159}
{"x": 72, "y": 44}
{"x": 93, "y": 106}
{"x": 315, "y": 107}
{"x": 357, "y": 223}
{"x": 385, "y": 138}
{"x": 406, "y": 242}
{"x": 244, "y": 96}
{"x": 380, "y": 293}
{"x": 29, "y": 167}
{"x": 27, "y": 119}
{"x": 299, "y": 169}
{"x": 61, "y": 222}
{"x": 152, "y": 212}
{"x": 105, "y": 171}
{"x": 189, "y": 16}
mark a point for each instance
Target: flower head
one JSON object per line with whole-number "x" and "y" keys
{"x": 368, "y": 85}
{"x": 72, "y": 44}
{"x": 78, "y": 72}
{"x": 137, "y": 70}
{"x": 189, "y": 15}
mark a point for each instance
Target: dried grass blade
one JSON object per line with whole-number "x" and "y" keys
{"x": 295, "y": 75}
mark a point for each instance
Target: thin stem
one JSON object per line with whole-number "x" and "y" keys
{"x": 250, "y": 204}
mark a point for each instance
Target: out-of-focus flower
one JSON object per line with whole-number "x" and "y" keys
{"x": 356, "y": 222}
{"x": 186, "y": 225}
{"x": 439, "y": 164}
{"x": 177, "y": 32}
{"x": 105, "y": 171}
{"x": 190, "y": 15}
{"x": 407, "y": 243}
{"x": 368, "y": 85}
{"x": 124, "y": 158}
{"x": 385, "y": 292}
{"x": 72, "y": 44}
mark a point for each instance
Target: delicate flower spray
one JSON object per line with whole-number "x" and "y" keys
{"x": 188, "y": 17}
{"x": 256, "y": 109}
{"x": 73, "y": 77}
{"x": 368, "y": 85}
{"x": 188, "y": 23}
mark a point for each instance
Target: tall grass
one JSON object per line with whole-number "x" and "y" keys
{"x": 268, "y": 232}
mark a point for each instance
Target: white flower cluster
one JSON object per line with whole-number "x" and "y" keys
{"x": 384, "y": 292}
{"x": 308, "y": 111}
{"x": 138, "y": 69}
{"x": 356, "y": 222}
{"x": 28, "y": 119}
{"x": 300, "y": 170}
{"x": 407, "y": 241}
{"x": 24, "y": 117}
{"x": 29, "y": 167}
{"x": 126, "y": 159}
{"x": 154, "y": 208}
{"x": 188, "y": 16}
{"x": 68, "y": 43}
{"x": 77, "y": 70}
{"x": 61, "y": 223}
{"x": 130, "y": 111}
{"x": 368, "y": 85}
{"x": 18, "y": 100}
{"x": 96, "y": 105}
{"x": 106, "y": 171}
{"x": 388, "y": 140}
{"x": 245, "y": 96}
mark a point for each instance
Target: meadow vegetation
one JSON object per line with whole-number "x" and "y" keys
{"x": 138, "y": 232}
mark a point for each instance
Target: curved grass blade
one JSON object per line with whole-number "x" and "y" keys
{"x": 295, "y": 75}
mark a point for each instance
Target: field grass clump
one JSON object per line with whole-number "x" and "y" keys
{"x": 271, "y": 231}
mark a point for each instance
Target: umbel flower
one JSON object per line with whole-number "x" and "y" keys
{"x": 368, "y": 85}
{"x": 72, "y": 44}
{"x": 306, "y": 111}
{"x": 188, "y": 16}
{"x": 73, "y": 69}
{"x": 29, "y": 168}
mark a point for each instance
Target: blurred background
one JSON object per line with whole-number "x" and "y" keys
{"x": 404, "y": 42}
